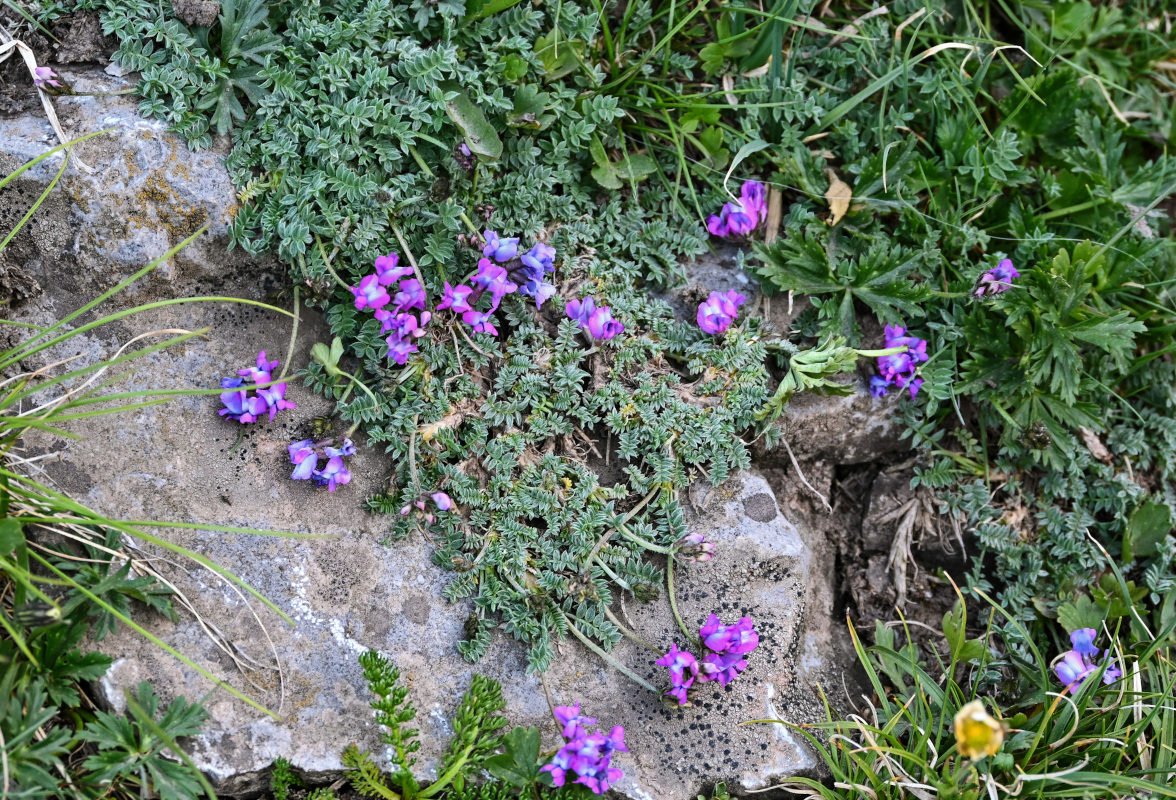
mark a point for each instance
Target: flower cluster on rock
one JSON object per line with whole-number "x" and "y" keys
{"x": 899, "y": 369}
{"x": 726, "y": 646}
{"x": 305, "y": 456}
{"x": 588, "y": 756}
{"x": 253, "y": 393}
{"x": 742, "y": 217}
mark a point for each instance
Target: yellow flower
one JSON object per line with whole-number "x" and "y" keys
{"x": 977, "y": 733}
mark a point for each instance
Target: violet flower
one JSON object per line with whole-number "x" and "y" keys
{"x": 304, "y": 458}
{"x": 694, "y": 548}
{"x": 45, "y": 76}
{"x": 719, "y": 310}
{"x": 680, "y": 663}
{"x": 410, "y": 295}
{"x": 501, "y": 250}
{"x": 370, "y": 294}
{"x": 399, "y": 349}
{"x": 480, "y": 321}
{"x": 455, "y": 298}
{"x": 494, "y": 279}
{"x": 305, "y": 455}
{"x": 540, "y": 257}
{"x": 388, "y": 269}
{"x": 898, "y": 369}
{"x": 997, "y": 280}
{"x": 742, "y": 217}
{"x": 245, "y": 402}
{"x": 333, "y": 474}
{"x": 596, "y": 320}
{"x": 571, "y": 721}
{"x": 588, "y": 756}
{"x": 728, "y": 644}
{"x": 464, "y": 157}
{"x": 442, "y": 501}
{"x": 1078, "y": 663}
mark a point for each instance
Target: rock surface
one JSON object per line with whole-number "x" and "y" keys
{"x": 352, "y": 591}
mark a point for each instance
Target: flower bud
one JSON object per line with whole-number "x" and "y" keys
{"x": 694, "y": 548}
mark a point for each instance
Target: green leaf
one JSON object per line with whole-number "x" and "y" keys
{"x": 1081, "y": 613}
{"x": 1146, "y": 528}
{"x": 954, "y": 622}
{"x": 480, "y": 9}
{"x": 519, "y": 765}
{"x": 529, "y": 105}
{"x": 558, "y": 54}
{"x": 11, "y": 536}
{"x": 479, "y": 133}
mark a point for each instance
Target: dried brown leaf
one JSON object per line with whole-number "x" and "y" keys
{"x": 839, "y": 194}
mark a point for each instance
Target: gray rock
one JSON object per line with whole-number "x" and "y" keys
{"x": 353, "y": 591}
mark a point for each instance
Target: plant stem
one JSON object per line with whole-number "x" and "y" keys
{"x": 407, "y": 253}
{"x": 648, "y": 545}
{"x": 673, "y": 600}
{"x": 420, "y": 161}
{"x": 626, "y": 632}
{"x": 293, "y": 337}
{"x": 628, "y": 516}
{"x": 591, "y": 645}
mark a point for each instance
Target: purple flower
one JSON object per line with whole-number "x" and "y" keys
{"x": 333, "y": 474}
{"x": 721, "y": 667}
{"x": 370, "y": 294}
{"x": 275, "y": 399}
{"x": 571, "y": 722}
{"x": 261, "y": 373}
{"x": 728, "y": 643}
{"x": 399, "y": 349}
{"x": 580, "y": 310}
{"x": 680, "y": 663}
{"x": 494, "y": 279}
{"x": 464, "y": 156}
{"x": 442, "y": 501}
{"x": 44, "y": 76}
{"x": 719, "y": 310}
{"x": 541, "y": 291}
{"x": 1073, "y": 669}
{"x": 541, "y": 257}
{"x": 455, "y": 298}
{"x": 587, "y": 755}
{"x": 410, "y": 295}
{"x": 742, "y": 217}
{"x": 399, "y": 325}
{"x": 898, "y": 369}
{"x": 304, "y": 459}
{"x": 602, "y": 326}
{"x": 241, "y": 407}
{"x": 1083, "y": 642}
{"x": 695, "y": 548}
{"x": 480, "y": 321}
{"x": 501, "y": 250}
{"x": 388, "y": 270}
{"x": 997, "y": 280}
{"x": 346, "y": 449}
{"x": 1078, "y": 663}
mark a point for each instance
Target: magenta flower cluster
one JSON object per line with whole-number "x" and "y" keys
{"x": 392, "y": 296}
{"x": 719, "y": 310}
{"x": 596, "y": 321}
{"x": 305, "y": 456}
{"x": 997, "y": 280}
{"x": 501, "y": 271}
{"x": 1078, "y": 663}
{"x": 250, "y": 395}
{"x": 726, "y": 648}
{"x": 742, "y": 217}
{"x": 588, "y": 756}
{"x": 898, "y": 369}
{"x": 694, "y": 548}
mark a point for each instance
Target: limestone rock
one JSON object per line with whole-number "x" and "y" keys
{"x": 353, "y": 591}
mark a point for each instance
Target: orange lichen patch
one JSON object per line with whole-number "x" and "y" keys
{"x": 180, "y": 221}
